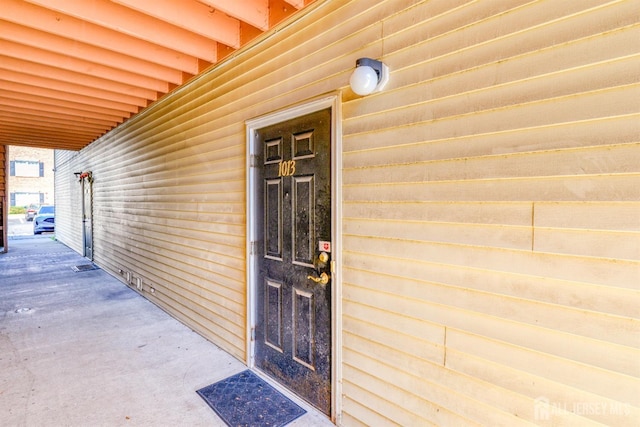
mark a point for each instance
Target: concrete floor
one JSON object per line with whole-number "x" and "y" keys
{"x": 82, "y": 349}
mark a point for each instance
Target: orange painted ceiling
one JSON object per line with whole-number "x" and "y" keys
{"x": 71, "y": 70}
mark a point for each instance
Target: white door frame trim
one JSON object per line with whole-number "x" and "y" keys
{"x": 328, "y": 101}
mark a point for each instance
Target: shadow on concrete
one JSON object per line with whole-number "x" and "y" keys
{"x": 83, "y": 349}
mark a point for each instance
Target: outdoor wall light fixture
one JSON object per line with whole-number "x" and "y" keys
{"x": 369, "y": 76}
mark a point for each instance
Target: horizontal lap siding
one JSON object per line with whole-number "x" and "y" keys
{"x": 68, "y": 197}
{"x": 169, "y": 208}
{"x": 4, "y": 209}
{"x": 491, "y": 216}
{"x": 3, "y": 177}
{"x": 490, "y": 203}
{"x": 170, "y": 189}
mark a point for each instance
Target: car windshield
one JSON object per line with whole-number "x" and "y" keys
{"x": 46, "y": 210}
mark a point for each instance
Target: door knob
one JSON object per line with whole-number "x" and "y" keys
{"x": 323, "y": 279}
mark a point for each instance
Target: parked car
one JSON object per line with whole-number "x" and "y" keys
{"x": 31, "y": 212}
{"x": 44, "y": 219}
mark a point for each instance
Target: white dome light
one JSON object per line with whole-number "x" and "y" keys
{"x": 369, "y": 76}
{"x": 364, "y": 80}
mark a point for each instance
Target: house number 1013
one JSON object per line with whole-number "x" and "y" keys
{"x": 287, "y": 168}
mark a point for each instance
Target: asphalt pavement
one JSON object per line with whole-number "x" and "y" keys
{"x": 19, "y": 226}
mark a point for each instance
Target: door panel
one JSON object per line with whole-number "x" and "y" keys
{"x": 87, "y": 220}
{"x": 293, "y": 330}
{"x": 304, "y": 328}
{"x": 273, "y": 219}
{"x": 303, "y": 220}
{"x": 273, "y": 315}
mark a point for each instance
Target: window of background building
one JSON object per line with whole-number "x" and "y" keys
{"x": 26, "y": 199}
{"x": 26, "y": 168}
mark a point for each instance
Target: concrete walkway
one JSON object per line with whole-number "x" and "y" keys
{"x": 82, "y": 349}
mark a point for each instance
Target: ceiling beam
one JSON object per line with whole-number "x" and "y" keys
{"x": 54, "y": 44}
{"x": 134, "y": 24}
{"x": 44, "y": 142}
{"x": 54, "y": 135}
{"x": 60, "y": 145}
{"x": 254, "y": 12}
{"x": 40, "y": 100}
{"x": 298, "y": 4}
{"x": 192, "y": 16}
{"x": 19, "y": 105}
{"x": 57, "y": 97}
{"x": 59, "y": 116}
{"x": 49, "y": 21}
{"x": 73, "y": 70}
{"x": 72, "y": 77}
{"x": 57, "y": 61}
{"x": 28, "y": 79}
{"x": 70, "y": 122}
{"x": 43, "y": 132}
{"x": 48, "y": 127}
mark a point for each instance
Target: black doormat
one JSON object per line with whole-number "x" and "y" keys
{"x": 84, "y": 267}
{"x": 246, "y": 400}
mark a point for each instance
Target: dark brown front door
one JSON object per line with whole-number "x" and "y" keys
{"x": 293, "y": 330}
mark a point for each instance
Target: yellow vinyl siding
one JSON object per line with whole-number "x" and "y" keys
{"x": 490, "y": 203}
{"x": 491, "y": 193}
{"x": 173, "y": 215}
{"x": 169, "y": 186}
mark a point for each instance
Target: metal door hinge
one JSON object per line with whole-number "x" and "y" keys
{"x": 252, "y": 248}
{"x": 253, "y": 161}
{"x": 253, "y": 334}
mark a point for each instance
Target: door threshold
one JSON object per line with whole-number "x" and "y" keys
{"x": 313, "y": 417}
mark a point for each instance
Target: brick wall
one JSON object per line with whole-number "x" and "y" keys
{"x": 38, "y": 189}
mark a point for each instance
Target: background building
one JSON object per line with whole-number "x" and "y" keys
{"x": 31, "y": 176}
